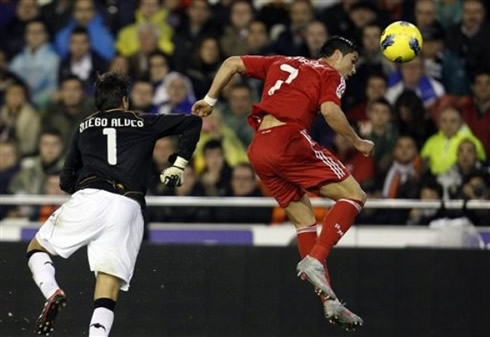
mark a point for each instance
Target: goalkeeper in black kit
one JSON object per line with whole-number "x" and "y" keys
{"x": 106, "y": 172}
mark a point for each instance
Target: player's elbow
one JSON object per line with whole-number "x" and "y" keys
{"x": 234, "y": 64}
{"x": 329, "y": 109}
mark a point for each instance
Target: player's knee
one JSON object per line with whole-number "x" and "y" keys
{"x": 359, "y": 195}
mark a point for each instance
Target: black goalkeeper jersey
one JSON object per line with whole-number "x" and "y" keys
{"x": 113, "y": 150}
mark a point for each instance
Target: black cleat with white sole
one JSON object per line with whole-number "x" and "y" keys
{"x": 45, "y": 323}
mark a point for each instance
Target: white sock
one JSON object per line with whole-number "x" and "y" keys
{"x": 101, "y": 322}
{"x": 43, "y": 272}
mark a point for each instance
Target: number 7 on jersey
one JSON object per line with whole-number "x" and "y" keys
{"x": 293, "y": 73}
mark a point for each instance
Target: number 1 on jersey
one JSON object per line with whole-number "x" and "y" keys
{"x": 293, "y": 73}
{"x": 111, "y": 145}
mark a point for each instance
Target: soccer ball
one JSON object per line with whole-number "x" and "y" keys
{"x": 401, "y": 42}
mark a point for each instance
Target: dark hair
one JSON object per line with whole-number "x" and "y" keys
{"x": 71, "y": 77}
{"x": 479, "y": 72}
{"x": 51, "y": 131}
{"x": 377, "y": 75}
{"x": 241, "y": 85}
{"x": 245, "y": 165}
{"x": 79, "y": 30}
{"x": 211, "y": 145}
{"x": 110, "y": 88}
{"x": 382, "y": 101}
{"x": 336, "y": 42}
{"x": 158, "y": 53}
{"x": 408, "y": 98}
{"x": 37, "y": 20}
{"x": 431, "y": 183}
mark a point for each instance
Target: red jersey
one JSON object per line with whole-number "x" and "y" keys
{"x": 294, "y": 88}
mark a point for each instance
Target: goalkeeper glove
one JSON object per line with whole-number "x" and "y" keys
{"x": 174, "y": 175}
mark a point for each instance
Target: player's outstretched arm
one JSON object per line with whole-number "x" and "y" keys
{"x": 230, "y": 67}
{"x": 338, "y": 122}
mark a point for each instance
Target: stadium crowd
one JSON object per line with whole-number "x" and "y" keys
{"x": 429, "y": 118}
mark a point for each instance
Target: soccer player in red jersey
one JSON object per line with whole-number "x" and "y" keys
{"x": 290, "y": 163}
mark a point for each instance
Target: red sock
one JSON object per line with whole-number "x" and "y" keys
{"x": 337, "y": 221}
{"x": 306, "y": 240}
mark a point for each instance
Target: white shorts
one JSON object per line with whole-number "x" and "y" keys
{"x": 110, "y": 225}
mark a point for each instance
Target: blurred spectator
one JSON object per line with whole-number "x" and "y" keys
{"x": 221, "y": 12}
{"x": 117, "y": 13}
{"x": 448, "y": 12}
{"x": 362, "y": 168}
{"x": 429, "y": 191}
{"x": 258, "y": 39}
{"x": 13, "y": 33}
{"x": 215, "y": 129}
{"x": 56, "y": 14}
{"x": 403, "y": 176}
{"x": 382, "y": 132}
{"x": 37, "y": 64}
{"x": 397, "y": 9}
{"x": 164, "y": 147}
{"x": 149, "y": 11}
{"x": 6, "y": 76}
{"x": 204, "y": 65}
{"x": 180, "y": 95}
{"x": 148, "y": 34}
{"x": 467, "y": 164}
{"x": 234, "y": 38}
{"x": 86, "y": 15}
{"x": 411, "y": 119}
{"x": 272, "y": 12}
{"x": 141, "y": 96}
{"x": 316, "y": 35}
{"x": 9, "y": 166}
{"x": 216, "y": 175}
{"x": 18, "y": 119}
{"x": 120, "y": 64}
{"x": 236, "y": 111}
{"x": 476, "y": 110}
{"x": 73, "y": 106}
{"x": 376, "y": 85}
{"x": 371, "y": 58}
{"x": 159, "y": 69}
{"x": 292, "y": 41}
{"x": 469, "y": 39}
{"x": 33, "y": 172}
{"x": 243, "y": 184}
{"x": 411, "y": 76}
{"x": 425, "y": 14}
{"x": 51, "y": 188}
{"x": 337, "y": 18}
{"x": 477, "y": 187}
{"x": 82, "y": 60}
{"x": 440, "y": 150}
{"x": 197, "y": 25}
{"x": 443, "y": 64}
{"x": 371, "y": 61}
{"x": 362, "y": 14}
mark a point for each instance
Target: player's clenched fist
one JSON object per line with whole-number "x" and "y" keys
{"x": 366, "y": 147}
{"x": 174, "y": 175}
{"x": 204, "y": 107}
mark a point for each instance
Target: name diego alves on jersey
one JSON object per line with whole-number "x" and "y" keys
{"x": 110, "y": 122}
